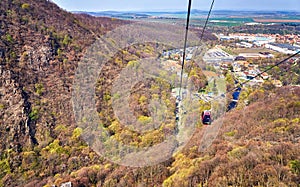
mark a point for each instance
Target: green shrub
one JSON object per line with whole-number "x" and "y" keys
{"x": 60, "y": 128}
{"x": 25, "y": 6}
{"x": 76, "y": 133}
{"x": 54, "y": 147}
{"x": 106, "y": 97}
{"x": 295, "y": 166}
{"x": 142, "y": 99}
{"x": 59, "y": 52}
{"x": 39, "y": 89}
{"x": 238, "y": 152}
{"x": 34, "y": 114}
{"x": 67, "y": 40}
{"x": 144, "y": 119}
{"x": 133, "y": 63}
{"x": 4, "y": 168}
{"x": 9, "y": 38}
{"x": 13, "y": 55}
{"x": 231, "y": 133}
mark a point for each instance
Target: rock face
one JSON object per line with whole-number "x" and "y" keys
{"x": 20, "y": 86}
{"x": 40, "y": 46}
{"x": 16, "y": 127}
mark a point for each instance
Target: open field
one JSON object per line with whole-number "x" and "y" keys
{"x": 210, "y": 73}
{"x": 277, "y": 20}
{"x": 252, "y": 50}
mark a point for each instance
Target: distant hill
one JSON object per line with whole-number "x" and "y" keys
{"x": 194, "y": 12}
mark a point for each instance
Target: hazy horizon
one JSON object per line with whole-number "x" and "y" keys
{"x": 171, "y": 5}
{"x": 182, "y": 10}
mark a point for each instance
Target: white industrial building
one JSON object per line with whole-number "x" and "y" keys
{"x": 283, "y": 48}
{"x": 216, "y": 56}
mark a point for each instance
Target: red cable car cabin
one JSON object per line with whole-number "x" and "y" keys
{"x": 206, "y": 117}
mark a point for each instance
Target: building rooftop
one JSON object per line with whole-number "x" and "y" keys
{"x": 286, "y": 46}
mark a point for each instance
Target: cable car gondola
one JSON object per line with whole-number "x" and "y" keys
{"x": 206, "y": 117}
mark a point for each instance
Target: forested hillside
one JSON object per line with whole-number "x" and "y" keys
{"x": 40, "y": 48}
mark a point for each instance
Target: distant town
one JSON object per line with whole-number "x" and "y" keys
{"x": 243, "y": 65}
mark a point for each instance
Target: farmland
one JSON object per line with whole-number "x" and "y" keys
{"x": 277, "y": 20}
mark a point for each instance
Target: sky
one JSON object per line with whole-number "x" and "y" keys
{"x": 152, "y": 5}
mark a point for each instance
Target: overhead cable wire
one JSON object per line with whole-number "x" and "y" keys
{"x": 186, "y": 37}
{"x": 207, "y": 18}
{"x": 203, "y": 30}
{"x": 266, "y": 70}
{"x": 185, "y": 43}
{"x": 259, "y": 75}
